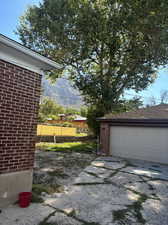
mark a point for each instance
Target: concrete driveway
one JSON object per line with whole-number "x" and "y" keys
{"x": 109, "y": 191}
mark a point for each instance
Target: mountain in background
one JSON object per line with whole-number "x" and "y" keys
{"x": 62, "y": 92}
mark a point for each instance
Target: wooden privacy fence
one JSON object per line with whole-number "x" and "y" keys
{"x": 79, "y": 124}
{"x": 47, "y": 130}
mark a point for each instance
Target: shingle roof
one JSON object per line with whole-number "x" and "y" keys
{"x": 153, "y": 112}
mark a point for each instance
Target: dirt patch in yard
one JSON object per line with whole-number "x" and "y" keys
{"x": 55, "y": 171}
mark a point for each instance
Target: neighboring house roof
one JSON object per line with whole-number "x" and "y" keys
{"x": 79, "y": 118}
{"x": 153, "y": 112}
{"x": 15, "y": 53}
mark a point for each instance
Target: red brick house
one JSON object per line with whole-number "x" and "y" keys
{"x": 140, "y": 134}
{"x": 20, "y": 84}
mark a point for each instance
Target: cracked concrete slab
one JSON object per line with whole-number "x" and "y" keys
{"x": 98, "y": 171}
{"x": 110, "y": 159}
{"x": 148, "y": 172}
{"x": 32, "y": 215}
{"x": 87, "y": 178}
{"x": 124, "y": 178}
{"x": 149, "y": 169}
{"x": 142, "y": 188}
{"x": 111, "y": 191}
{"x": 155, "y": 212}
{"x": 95, "y": 202}
{"x": 109, "y": 165}
{"x": 62, "y": 219}
{"x": 161, "y": 188}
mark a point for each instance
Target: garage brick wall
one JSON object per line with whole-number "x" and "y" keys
{"x": 19, "y": 100}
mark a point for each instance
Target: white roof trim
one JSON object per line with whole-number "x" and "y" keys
{"x": 16, "y": 53}
{"x": 20, "y": 64}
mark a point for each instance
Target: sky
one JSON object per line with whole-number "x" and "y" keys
{"x": 11, "y": 10}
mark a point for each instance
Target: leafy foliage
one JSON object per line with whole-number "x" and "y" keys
{"x": 84, "y": 111}
{"x": 71, "y": 111}
{"x": 108, "y": 46}
{"x": 93, "y": 114}
{"x": 50, "y": 109}
{"x": 128, "y": 105}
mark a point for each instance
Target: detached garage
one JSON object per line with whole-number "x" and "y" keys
{"x": 142, "y": 134}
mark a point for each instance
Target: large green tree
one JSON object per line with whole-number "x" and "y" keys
{"x": 49, "y": 108}
{"x": 108, "y": 46}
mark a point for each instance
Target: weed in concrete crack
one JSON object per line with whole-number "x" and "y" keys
{"x": 114, "y": 173}
{"x": 47, "y": 188}
{"x": 56, "y": 173}
{"x": 158, "y": 179}
{"x": 39, "y": 188}
{"x": 88, "y": 223}
{"x": 36, "y": 198}
{"x": 119, "y": 215}
{"x": 71, "y": 215}
{"x": 137, "y": 206}
{"x": 155, "y": 197}
{"x": 151, "y": 188}
{"x": 104, "y": 167}
{"x": 134, "y": 209}
{"x": 44, "y": 222}
{"x": 92, "y": 174}
{"x": 153, "y": 169}
{"x": 83, "y": 184}
{"x": 135, "y": 192}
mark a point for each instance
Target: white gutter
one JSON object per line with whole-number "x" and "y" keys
{"x": 49, "y": 64}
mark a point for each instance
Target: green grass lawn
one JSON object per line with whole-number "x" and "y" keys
{"x": 85, "y": 147}
{"x": 81, "y": 135}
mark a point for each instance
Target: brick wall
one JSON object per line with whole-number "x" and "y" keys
{"x": 19, "y": 100}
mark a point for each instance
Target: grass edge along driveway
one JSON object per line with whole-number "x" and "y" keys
{"x": 84, "y": 147}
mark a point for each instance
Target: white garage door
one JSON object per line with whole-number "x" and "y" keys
{"x": 144, "y": 143}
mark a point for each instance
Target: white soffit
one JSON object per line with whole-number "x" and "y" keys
{"x": 15, "y": 53}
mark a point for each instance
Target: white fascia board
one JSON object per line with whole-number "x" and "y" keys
{"x": 19, "y": 62}
{"x": 17, "y": 54}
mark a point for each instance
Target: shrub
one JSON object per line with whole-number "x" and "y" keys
{"x": 66, "y": 124}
